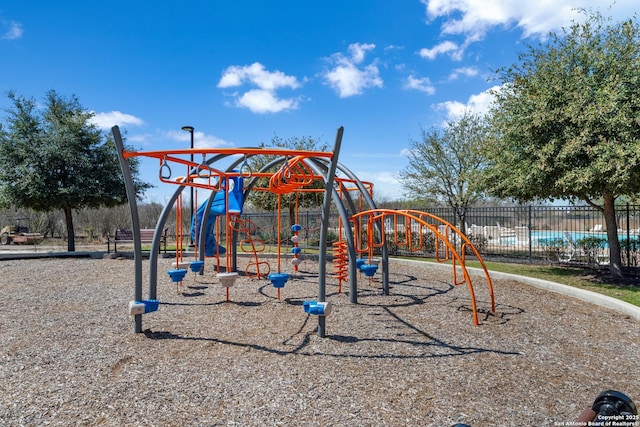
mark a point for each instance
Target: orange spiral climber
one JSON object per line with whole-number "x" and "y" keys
{"x": 340, "y": 263}
{"x": 293, "y": 174}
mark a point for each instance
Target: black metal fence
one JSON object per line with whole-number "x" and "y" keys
{"x": 549, "y": 233}
{"x": 525, "y": 233}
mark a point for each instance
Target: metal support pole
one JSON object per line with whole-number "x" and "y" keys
{"x": 326, "y": 210}
{"x": 135, "y": 223}
{"x": 190, "y": 129}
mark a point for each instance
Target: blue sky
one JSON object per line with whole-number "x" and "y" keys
{"x": 242, "y": 72}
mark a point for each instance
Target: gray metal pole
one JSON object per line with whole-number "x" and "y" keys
{"x": 326, "y": 210}
{"x": 191, "y": 191}
{"x": 162, "y": 220}
{"x": 348, "y": 232}
{"x": 135, "y": 223}
{"x": 155, "y": 245}
{"x": 352, "y": 257}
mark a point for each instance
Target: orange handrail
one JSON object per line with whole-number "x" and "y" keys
{"x": 441, "y": 238}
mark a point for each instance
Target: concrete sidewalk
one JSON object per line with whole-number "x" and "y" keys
{"x": 8, "y": 252}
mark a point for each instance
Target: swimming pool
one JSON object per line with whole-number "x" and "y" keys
{"x": 548, "y": 237}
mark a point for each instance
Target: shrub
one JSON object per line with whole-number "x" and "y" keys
{"x": 553, "y": 249}
{"x": 591, "y": 246}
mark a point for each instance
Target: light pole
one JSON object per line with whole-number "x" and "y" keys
{"x": 190, "y": 130}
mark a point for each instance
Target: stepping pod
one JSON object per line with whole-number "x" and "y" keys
{"x": 144, "y": 306}
{"x": 317, "y": 308}
{"x": 177, "y": 274}
{"x": 278, "y": 279}
{"x": 227, "y": 279}
{"x": 369, "y": 269}
{"x": 196, "y": 266}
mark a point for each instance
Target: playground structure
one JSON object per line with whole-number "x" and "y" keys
{"x": 363, "y": 229}
{"x": 411, "y": 228}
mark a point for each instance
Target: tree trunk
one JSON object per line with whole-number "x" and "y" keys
{"x": 71, "y": 235}
{"x": 615, "y": 260}
{"x": 462, "y": 219}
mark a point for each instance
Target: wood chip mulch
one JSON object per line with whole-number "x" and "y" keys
{"x": 69, "y": 356}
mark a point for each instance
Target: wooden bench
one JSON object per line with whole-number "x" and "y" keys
{"x": 126, "y": 236}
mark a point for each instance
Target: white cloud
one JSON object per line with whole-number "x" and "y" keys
{"x": 452, "y": 109}
{"x": 478, "y": 103}
{"x": 482, "y": 101}
{"x": 112, "y": 118}
{"x": 141, "y": 138}
{"x": 385, "y": 184}
{"x": 474, "y": 18}
{"x": 454, "y": 51}
{"x": 387, "y": 178}
{"x": 200, "y": 139}
{"x": 470, "y": 20}
{"x": 392, "y": 48}
{"x": 347, "y": 78}
{"x": 464, "y": 71}
{"x": 359, "y": 50}
{"x": 14, "y": 32}
{"x": 256, "y": 74}
{"x": 375, "y": 154}
{"x": 421, "y": 84}
{"x": 232, "y": 77}
{"x": 264, "y": 99}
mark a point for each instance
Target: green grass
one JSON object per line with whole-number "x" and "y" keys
{"x": 578, "y": 277}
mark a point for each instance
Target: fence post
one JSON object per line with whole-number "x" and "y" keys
{"x": 530, "y": 244}
{"x": 306, "y": 228}
{"x": 628, "y": 238}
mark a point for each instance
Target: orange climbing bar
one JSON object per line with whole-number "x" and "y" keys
{"x": 442, "y": 238}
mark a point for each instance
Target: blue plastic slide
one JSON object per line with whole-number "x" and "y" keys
{"x": 218, "y": 208}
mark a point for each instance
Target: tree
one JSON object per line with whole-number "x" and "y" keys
{"x": 55, "y": 158}
{"x": 567, "y": 121}
{"x": 269, "y": 201}
{"x": 445, "y": 164}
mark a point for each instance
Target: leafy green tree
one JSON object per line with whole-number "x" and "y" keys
{"x": 55, "y": 158}
{"x": 269, "y": 201}
{"x": 567, "y": 121}
{"x": 444, "y": 166}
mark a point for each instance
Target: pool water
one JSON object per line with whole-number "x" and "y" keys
{"x": 546, "y": 237}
